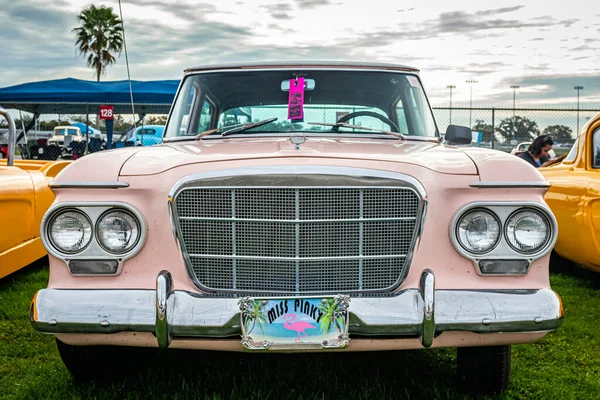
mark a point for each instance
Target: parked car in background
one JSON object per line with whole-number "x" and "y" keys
{"x": 147, "y": 135}
{"x": 290, "y": 227}
{"x": 574, "y": 197}
{"x": 24, "y": 199}
{"x": 63, "y": 135}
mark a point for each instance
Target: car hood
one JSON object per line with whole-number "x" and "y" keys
{"x": 431, "y": 155}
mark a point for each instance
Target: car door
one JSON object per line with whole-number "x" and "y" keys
{"x": 566, "y": 199}
{"x": 592, "y": 202}
{"x": 17, "y": 211}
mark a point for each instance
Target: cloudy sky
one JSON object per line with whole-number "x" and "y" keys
{"x": 545, "y": 46}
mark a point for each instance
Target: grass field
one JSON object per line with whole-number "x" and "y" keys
{"x": 563, "y": 365}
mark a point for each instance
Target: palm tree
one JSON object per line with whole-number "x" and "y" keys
{"x": 254, "y": 313}
{"x": 99, "y": 37}
{"x": 332, "y": 316}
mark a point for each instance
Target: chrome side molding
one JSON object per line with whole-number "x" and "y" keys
{"x": 88, "y": 185}
{"x": 510, "y": 185}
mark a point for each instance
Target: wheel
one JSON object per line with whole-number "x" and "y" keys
{"x": 559, "y": 264}
{"x": 100, "y": 362}
{"x": 484, "y": 370}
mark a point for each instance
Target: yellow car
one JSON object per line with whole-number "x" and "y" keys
{"x": 24, "y": 199}
{"x": 574, "y": 197}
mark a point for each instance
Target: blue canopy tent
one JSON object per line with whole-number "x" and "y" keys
{"x": 75, "y": 96}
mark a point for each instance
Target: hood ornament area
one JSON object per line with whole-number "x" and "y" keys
{"x": 297, "y": 140}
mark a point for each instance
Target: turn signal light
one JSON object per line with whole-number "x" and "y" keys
{"x": 93, "y": 267}
{"x": 504, "y": 267}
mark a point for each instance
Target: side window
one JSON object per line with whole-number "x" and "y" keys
{"x": 572, "y": 153}
{"x": 205, "y": 118}
{"x": 401, "y": 112}
{"x": 596, "y": 149}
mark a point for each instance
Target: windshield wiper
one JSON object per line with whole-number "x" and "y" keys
{"x": 247, "y": 126}
{"x": 235, "y": 128}
{"x": 208, "y": 132}
{"x": 345, "y": 125}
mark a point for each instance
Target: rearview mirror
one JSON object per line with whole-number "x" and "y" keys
{"x": 309, "y": 84}
{"x": 458, "y": 135}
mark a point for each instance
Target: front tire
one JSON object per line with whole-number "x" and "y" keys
{"x": 100, "y": 362}
{"x": 560, "y": 265}
{"x": 484, "y": 370}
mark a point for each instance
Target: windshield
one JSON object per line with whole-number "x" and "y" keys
{"x": 389, "y": 101}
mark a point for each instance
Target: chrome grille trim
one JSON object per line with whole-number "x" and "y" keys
{"x": 236, "y": 257}
{"x": 370, "y": 270}
{"x": 296, "y": 221}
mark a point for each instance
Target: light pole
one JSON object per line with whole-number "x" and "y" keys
{"x": 514, "y": 88}
{"x": 450, "y": 87}
{"x": 471, "y": 82}
{"x": 578, "y": 88}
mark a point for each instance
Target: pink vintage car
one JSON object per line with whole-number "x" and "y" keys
{"x": 300, "y": 207}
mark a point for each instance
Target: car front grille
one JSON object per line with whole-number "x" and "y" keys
{"x": 297, "y": 240}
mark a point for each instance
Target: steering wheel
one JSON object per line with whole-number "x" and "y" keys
{"x": 355, "y": 114}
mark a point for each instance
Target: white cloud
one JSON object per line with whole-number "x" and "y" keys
{"x": 497, "y": 43}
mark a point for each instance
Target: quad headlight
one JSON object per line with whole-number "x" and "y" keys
{"x": 118, "y": 231}
{"x": 70, "y": 231}
{"x": 93, "y": 237}
{"x": 503, "y": 238}
{"x": 478, "y": 231}
{"x": 527, "y": 231}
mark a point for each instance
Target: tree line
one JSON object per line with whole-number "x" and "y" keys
{"x": 522, "y": 129}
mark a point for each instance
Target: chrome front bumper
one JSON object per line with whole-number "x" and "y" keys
{"x": 424, "y": 312}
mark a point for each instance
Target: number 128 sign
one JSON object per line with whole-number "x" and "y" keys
{"x": 106, "y": 112}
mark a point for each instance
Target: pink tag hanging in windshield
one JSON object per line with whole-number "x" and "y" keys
{"x": 296, "y": 100}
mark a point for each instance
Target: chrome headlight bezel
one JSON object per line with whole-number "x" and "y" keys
{"x": 462, "y": 218}
{"x": 94, "y": 251}
{"x": 502, "y": 250}
{"x": 53, "y": 219}
{"x": 97, "y": 231}
{"x": 545, "y": 220}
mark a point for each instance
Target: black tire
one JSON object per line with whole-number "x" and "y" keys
{"x": 483, "y": 370}
{"x": 101, "y": 362}
{"x": 559, "y": 264}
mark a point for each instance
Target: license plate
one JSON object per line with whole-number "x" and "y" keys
{"x": 295, "y": 323}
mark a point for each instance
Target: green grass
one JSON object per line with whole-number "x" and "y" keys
{"x": 563, "y": 365}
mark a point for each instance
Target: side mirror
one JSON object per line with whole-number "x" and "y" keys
{"x": 458, "y": 135}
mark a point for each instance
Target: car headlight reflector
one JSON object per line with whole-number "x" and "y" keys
{"x": 527, "y": 231}
{"x": 478, "y": 231}
{"x": 70, "y": 231}
{"x": 118, "y": 231}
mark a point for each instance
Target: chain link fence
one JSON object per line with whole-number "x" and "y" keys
{"x": 71, "y": 135}
{"x": 501, "y": 128}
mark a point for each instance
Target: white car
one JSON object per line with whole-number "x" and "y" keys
{"x": 63, "y": 135}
